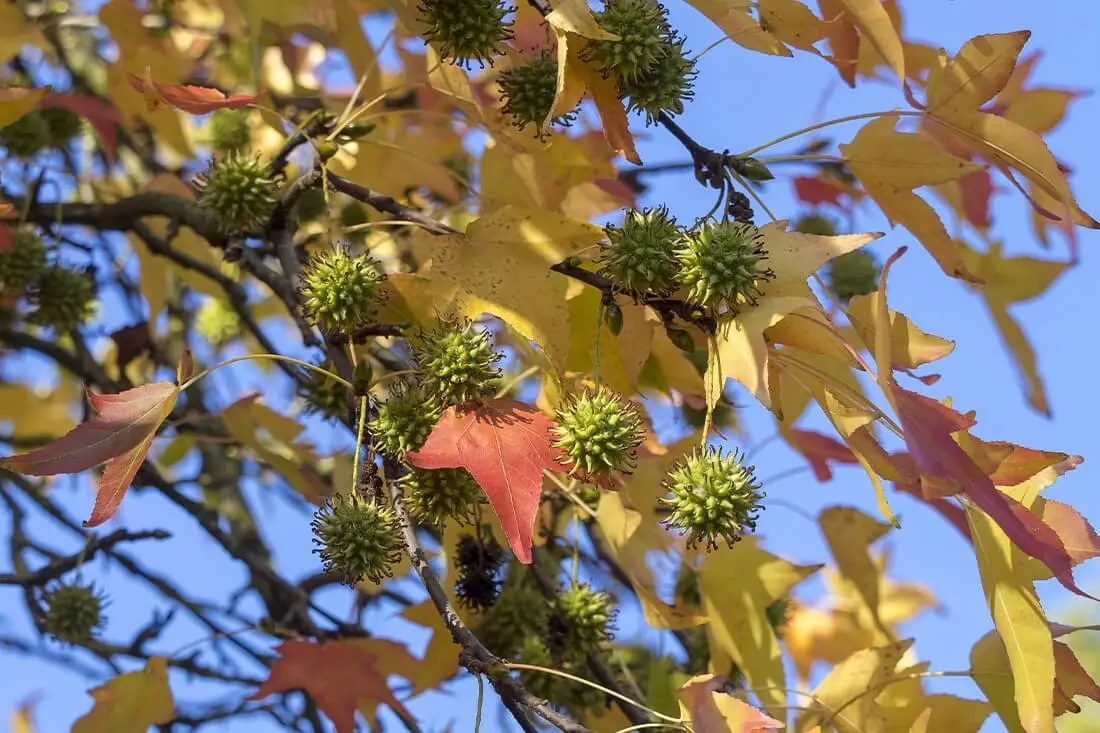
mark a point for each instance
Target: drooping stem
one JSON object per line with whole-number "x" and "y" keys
{"x": 270, "y": 357}
{"x": 829, "y": 123}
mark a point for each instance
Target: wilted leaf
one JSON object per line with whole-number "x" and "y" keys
{"x": 189, "y": 98}
{"x": 910, "y": 346}
{"x": 131, "y": 702}
{"x": 505, "y": 445}
{"x": 338, "y": 675}
{"x": 118, "y": 435}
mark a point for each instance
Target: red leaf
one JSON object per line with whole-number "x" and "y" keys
{"x": 338, "y": 675}
{"x": 1071, "y": 679}
{"x": 928, "y": 426}
{"x": 1080, "y": 539}
{"x": 816, "y": 191}
{"x": 976, "y": 188}
{"x": 119, "y": 435}
{"x": 819, "y": 449}
{"x": 196, "y": 100}
{"x": 505, "y": 445}
{"x": 7, "y": 241}
{"x": 103, "y": 116}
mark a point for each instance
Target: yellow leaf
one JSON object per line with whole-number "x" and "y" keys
{"x": 131, "y": 703}
{"x": 991, "y": 671}
{"x": 1010, "y": 280}
{"x": 879, "y": 155}
{"x": 669, "y": 369}
{"x": 874, "y": 24}
{"x": 849, "y": 534}
{"x": 977, "y": 73}
{"x": 407, "y": 299}
{"x": 846, "y": 697}
{"x": 736, "y": 21}
{"x": 21, "y": 719}
{"x": 520, "y": 288}
{"x": 709, "y": 710}
{"x": 737, "y": 586}
{"x": 574, "y": 16}
{"x": 604, "y": 90}
{"x": 16, "y": 101}
{"x": 350, "y": 39}
{"x": 792, "y": 23}
{"x": 1020, "y": 622}
{"x": 1040, "y": 110}
{"x": 620, "y": 357}
{"x": 1012, "y": 145}
{"x": 440, "y": 660}
{"x": 911, "y": 347}
{"x": 955, "y": 714}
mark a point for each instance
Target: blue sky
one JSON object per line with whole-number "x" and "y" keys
{"x": 744, "y": 99}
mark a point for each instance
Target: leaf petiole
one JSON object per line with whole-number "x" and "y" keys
{"x": 271, "y": 357}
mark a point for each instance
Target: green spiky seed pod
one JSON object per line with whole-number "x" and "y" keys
{"x": 722, "y": 264}
{"x": 687, "y": 587}
{"x": 325, "y": 397}
{"x": 357, "y": 538}
{"x": 73, "y": 612}
{"x": 643, "y": 30}
{"x": 665, "y": 89}
{"x": 404, "y": 421}
{"x": 640, "y": 257}
{"x": 458, "y": 364}
{"x": 467, "y": 31}
{"x": 562, "y": 692}
{"x": 310, "y": 205}
{"x": 527, "y": 92}
{"x": 682, "y": 340}
{"x": 588, "y": 617}
{"x": 816, "y": 224}
{"x": 23, "y": 263}
{"x": 598, "y": 432}
{"x": 854, "y": 273}
{"x": 778, "y": 614}
{"x": 62, "y": 298}
{"x": 712, "y": 496}
{"x": 238, "y": 189}
{"x": 519, "y": 612}
{"x": 229, "y": 130}
{"x": 433, "y": 497}
{"x": 217, "y": 321}
{"x": 25, "y": 137}
{"x": 339, "y": 290}
{"x": 62, "y": 125}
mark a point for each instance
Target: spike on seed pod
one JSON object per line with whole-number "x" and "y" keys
{"x": 722, "y": 265}
{"x": 588, "y": 617}
{"x": 643, "y": 30}
{"x": 479, "y": 562}
{"x": 712, "y": 496}
{"x": 230, "y": 131}
{"x": 467, "y": 31}
{"x": 339, "y": 290}
{"x": 815, "y": 223}
{"x": 403, "y": 421}
{"x": 217, "y": 321}
{"x": 62, "y": 299}
{"x": 357, "y": 538}
{"x": 238, "y": 190}
{"x": 458, "y": 364}
{"x": 527, "y": 92}
{"x": 436, "y": 496}
{"x": 23, "y": 263}
{"x": 665, "y": 89}
{"x": 25, "y": 137}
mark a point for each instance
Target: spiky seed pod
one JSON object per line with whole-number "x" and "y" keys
{"x": 528, "y": 90}
{"x": 854, "y": 273}
{"x": 560, "y": 692}
{"x": 467, "y": 31}
{"x": 339, "y": 290}
{"x": 687, "y": 587}
{"x": 458, "y": 364}
{"x": 326, "y": 397}
{"x": 478, "y": 562}
{"x": 238, "y": 189}
{"x": 62, "y": 125}
{"x": 682, "y": 340}
{"x": 519, "y": 612}
{"x": 665, "y": 89}
{"x": 643, "y": 30}
{"x": 73, "y": 612}
{"x": 433, "y": 497}
{"x": 640, "y": 257}
{"x": 588, "y": 617}
{"x": 62, "y": 298}
{"x": 217, "y": 321}
{"x": 23, "y": 263}
{"x": 739, "y": 207}
{"x": 357, "y": 538}
{"x": 25, "y": 137}
{"x": 598, "y": 432}
{"x": 310, "y": 205}
{"x": 404, "y": 421}
{"x": 778, "y": 614}
{"x": 230, "y": 131}
{"x": 712, "y": 496}
{"x": 722, "y": 264}
{"x": 816, "y": 224}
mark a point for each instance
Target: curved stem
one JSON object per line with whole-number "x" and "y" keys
{"x": 593, "y": 685}
{"x": 271, "y": 357}
{"x": 830, "y": 123}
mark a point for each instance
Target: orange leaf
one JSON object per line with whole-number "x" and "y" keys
{"x": 193, "y": 99}
{"x": 338, "y": 675}
{"x": 1071, "y": 679}
{"x": 713, "y": 711}
{"x": 505, "y": 445}
{"x": 605, "y": 95}
{"x": 119, "y": 435}
{"x": 1081, "y": 541}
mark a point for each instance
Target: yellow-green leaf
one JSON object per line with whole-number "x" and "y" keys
{"x": 849, "y": 534}
{"x": 735, "y": 19}
{"x": 874, "y": 24}
{"x": 846, "y": 697}
{"x": 131, "y": 703}
{"x": 977, "y": 73}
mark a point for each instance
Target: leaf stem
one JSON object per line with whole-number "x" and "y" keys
{"x": 830, "y": 123}
{"x": 593, "y": 685}
{"x": 271, "y": 357}
{"x": 359, "y": 442}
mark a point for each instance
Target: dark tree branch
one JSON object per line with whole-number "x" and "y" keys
{"x": 59, "y": 567}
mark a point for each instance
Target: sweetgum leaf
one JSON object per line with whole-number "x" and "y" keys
{"x": 338, "y": 675}
{"x": 131, "y": 702}
{"x": 505, "y": 445}
{"x": 193, "y": 99}
{"x": 119, "y": 435}
{"x": 712, "y": 711}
